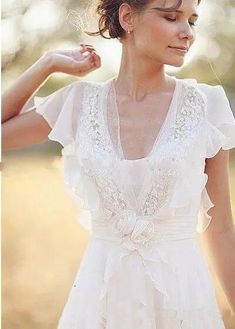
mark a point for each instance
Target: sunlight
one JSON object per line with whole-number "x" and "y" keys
{"x": 110, "y": 50}
{"x": 44, "y": 15}
{"x": 10, "y": 36}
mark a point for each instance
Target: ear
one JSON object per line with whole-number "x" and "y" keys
{"x": 126, "y": 17}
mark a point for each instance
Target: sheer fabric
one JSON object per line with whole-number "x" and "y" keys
{"x": 114, "y": 126}
{"x": 62, "y": 110}
{"x": 143, "y": 267}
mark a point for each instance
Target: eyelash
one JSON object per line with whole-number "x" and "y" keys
{"x": 173, "y": 20}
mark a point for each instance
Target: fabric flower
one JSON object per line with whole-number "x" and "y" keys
{"x": 125, "y": 222}
{"x": 133, "y": 229}
{"x": 143, "y": 231}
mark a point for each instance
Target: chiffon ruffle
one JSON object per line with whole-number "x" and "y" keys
{"x": 218, "y": 131}
{"x": 61, "y": 110}
{"x": 170, "y": 286}
{"x": 216, "y": 138}
{"x": 106, "y": 290}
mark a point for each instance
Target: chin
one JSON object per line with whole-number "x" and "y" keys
{"x": 178, "y": 63}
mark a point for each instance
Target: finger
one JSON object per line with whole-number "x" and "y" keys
{"x": 86, "y": 44}
{"x": 90, "y": 50}
{"x": 77, "y": 52}
{"x": 85, "y": 48}
{"x": 97, "y": 60}
{"x": 86, "y": 65}
{"x": 85, "y": 70}
{"x": 87, "y": 53}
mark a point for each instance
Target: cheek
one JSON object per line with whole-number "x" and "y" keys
{"x": 193, "y": 38}
{"x": 161, "y": 32}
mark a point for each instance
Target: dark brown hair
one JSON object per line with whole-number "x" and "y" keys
{"x": 108, "y": 12}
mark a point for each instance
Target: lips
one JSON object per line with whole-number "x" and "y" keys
{"x": 180, "y": 47}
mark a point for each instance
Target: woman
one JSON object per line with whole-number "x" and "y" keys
{"x": 146, "y": 155}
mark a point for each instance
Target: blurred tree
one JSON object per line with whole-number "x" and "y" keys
{"x": 216, "y": 63}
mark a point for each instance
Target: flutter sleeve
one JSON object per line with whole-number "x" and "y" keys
{"x": 220, "y": 134}
{"x": 61, "y": 110}
{"x": 220, "y": 122}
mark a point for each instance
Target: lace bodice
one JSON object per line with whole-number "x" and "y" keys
{"x": 170, "y": 181}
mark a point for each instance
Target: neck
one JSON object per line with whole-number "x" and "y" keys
{"x": 138, "y": 77}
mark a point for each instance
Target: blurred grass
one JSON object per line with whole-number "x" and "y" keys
{"x": 43, "y": 243}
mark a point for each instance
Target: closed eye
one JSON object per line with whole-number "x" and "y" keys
{"x": 174, "y": 19}
{"x": 170, "y": 19}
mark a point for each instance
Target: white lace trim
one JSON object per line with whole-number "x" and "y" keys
{"x": 95, "y": 144}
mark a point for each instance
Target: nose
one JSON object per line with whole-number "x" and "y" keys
{"x": 187, "y": 33}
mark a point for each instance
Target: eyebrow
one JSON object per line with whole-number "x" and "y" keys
{"x": 175, "y": 11}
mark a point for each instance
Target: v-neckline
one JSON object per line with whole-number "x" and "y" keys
{"x": 119, "y": 152}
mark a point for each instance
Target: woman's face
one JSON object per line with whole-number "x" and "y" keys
{"x": 156, "y": 32}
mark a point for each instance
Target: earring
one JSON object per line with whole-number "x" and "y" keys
{"x": 128, "y": 31}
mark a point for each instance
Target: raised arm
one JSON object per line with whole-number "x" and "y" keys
{"x": 29, "y": 128}
{"x": 23, "y": 88}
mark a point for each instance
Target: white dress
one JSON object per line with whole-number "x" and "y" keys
{"x": 143, "y": 267}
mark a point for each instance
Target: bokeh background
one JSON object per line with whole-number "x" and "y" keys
{"x": 42, "y": 241}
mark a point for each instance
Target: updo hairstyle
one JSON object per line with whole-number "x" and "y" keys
{"x": 108, "y": 13}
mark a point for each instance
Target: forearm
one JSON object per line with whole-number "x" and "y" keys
{"x": 221, "y": 248}
{"x": 23, "y": 88}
